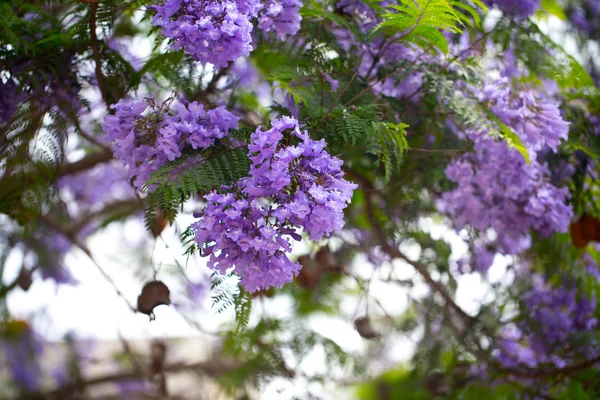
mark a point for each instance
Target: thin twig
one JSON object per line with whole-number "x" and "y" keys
{"x": 212, "y": 368}
{"x": 89, "y": 137}
{"x": 72, "y": 237}
{"x": 564, "y": 371}
{"x": 342, "y": 92}
{"x": 85, "y": 163}
{"x": 436, "y": 150}
{"x": 96, "y": 53}
{"x": 131, "y": 204}
{"x": 394, "y": 252}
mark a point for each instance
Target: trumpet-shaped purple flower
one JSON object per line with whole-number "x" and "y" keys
{"x": 556, "y": 313}
{"x": 533, "y": 117}
{"x": 249, "y": 226}
{"x": 145, "y": 136}
{"x": 215, "y": 32}
{"x": 280, "y": 16}
{"x": 218, "y": 32}
{"x": 497, "y": 188}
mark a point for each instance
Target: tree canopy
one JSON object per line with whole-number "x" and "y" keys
{"x": 338, "y": 156}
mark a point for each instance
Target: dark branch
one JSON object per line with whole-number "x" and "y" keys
{"x": 209, "y": 368}
{"x": 85, "y": 163}
{"x": 96, "y": 53}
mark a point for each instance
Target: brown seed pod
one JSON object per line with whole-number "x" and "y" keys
{"x": 590, "y": 227}
{"x": 365, "y": 329}
{"x": 577, "y": 237}
{"x": 585, "y": 230}
{"x": 326, "y": 261}
{"x": 24, "y": 280}
{"x": 438, "y": 384}
{"x": 153, "y": 294}
{"x": 309, "y": 275}
{"x": 160, "y": 223}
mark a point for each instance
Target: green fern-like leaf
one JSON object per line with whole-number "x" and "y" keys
{"x": 243, "y": 309}
{"x": 394, "y": 146}
{"x": 223, "y": 292}
{"x": 195, "y": 173}
{"x": 421, "y": 22}
{"x": 361, "y": 128}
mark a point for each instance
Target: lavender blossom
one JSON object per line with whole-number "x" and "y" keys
{"x": 146, "y": 140}
{"x": 516, "y": 8}
{"x": 250, "y": 225}
{"x": 218, "y": 32}
{"x": 557, "y": 313}
{"x": 281, "y": 16}
{"x": 20, "y": 346}
{"x": 497, "y": 188}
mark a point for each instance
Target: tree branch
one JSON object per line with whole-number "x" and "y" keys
{"x": 211, "y": 368}
{"x": 132, "y": 204}
{"x": 394, "y": 252}
{"x": 85, "y": 163}
{"x": 558, "y": 372}
{"x": 96, "y": 53}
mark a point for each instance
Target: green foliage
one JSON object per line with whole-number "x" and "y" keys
{"x": 420, "y": 22}
{"x": 541, "y": 55}
{"x": 512, "y": 139}
{"x": 243, "y": 309}
{"x": 223, "y": 295}
{"x": 361, "y": 129}
{"x": 195, "y": 173}
{"x": 554, "y": 8}
{"x": 263, "y": 349}
{"x": 373, "y": 133}
{"x": 226, "y": 295}
{"x": 392, "y": 384}
{"x": 470, "y": 114}
{"x": 187, "y": 240}
{"x": 392, "y": 147}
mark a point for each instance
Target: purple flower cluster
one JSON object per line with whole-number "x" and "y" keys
{"x": 10, "y": 97}
{"x": 146, "y": 140}
{"x": 557, "y": 314}
{"x": 533, "y": 117}
{"x": 484, "y": 258}
{"x": 496, "y": 187}
{"x": 359, "y": 11}
{"x": 213, "y": 32}
{"x": 218, "y": 32}
{"x": 58, "y": 245}
{"x": 516, "y": 8}
{"x": 585, "y": 15}
{"x": 281, "y": 16}
{"x": 43, "y": 87}
{"x": 595, "y": 122}
{"x": 381, "y": 54}
{"x": 249, "y": 225}
{"x": 21, "y": 347}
